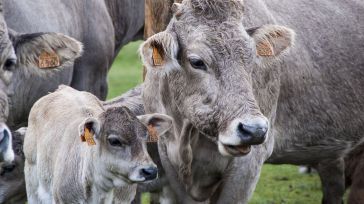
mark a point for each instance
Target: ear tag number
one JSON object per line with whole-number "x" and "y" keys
{"x": 152, "y": 132}
{"x": 88, "y": 137}
{"x": 48, "y": 60}
{"x": 157, "y": 57}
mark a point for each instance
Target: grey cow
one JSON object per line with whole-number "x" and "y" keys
{"x": 7, "y": 57}
{"x": 216, "y": 71}
{"x": 60, "y": 168}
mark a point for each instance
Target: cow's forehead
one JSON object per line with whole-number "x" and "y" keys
{"x": 227, "y": 39}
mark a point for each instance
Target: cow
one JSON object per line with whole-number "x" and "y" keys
{"x": 7, "y": 58}
{"x": 222, "y": 71}
{"x": 102, "y": 26}
{"x": 78, "y": 151}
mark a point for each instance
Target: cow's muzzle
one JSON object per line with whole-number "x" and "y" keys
{"x": 241, "y": 134}
{"x": 6, "y": 149}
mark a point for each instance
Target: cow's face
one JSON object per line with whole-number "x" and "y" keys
{"x": 7, "y": 62}
{"x": 208, "y": 57}
{"x": 121, "y": 141}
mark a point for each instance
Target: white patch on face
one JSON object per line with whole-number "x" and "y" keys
{"x": 231, "y": 135}
{"x": 222, "y": 149}
{"x": 135, "y": 175}
{"x": 9, "y": 152}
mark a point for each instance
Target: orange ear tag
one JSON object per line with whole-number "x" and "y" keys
{"x": 152, "y": 132}
{"x": 48, "y": 60}
{"x": 88, "y": 137}
{"x": 264, "y": 49}
{"x": 157, "y": 57}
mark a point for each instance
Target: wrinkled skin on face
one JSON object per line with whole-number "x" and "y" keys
{"x": 208, "y": 58}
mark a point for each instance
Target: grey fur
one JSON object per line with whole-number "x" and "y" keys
{"x": 311, "y": 97}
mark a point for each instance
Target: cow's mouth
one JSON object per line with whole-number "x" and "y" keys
{"x": 237, "y": 150}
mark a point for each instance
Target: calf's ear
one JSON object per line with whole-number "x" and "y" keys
{"x": 90, "y": 127}
{"x": 157, "y": 123}
{"x": 45, "y": 50}
{"x": 272, "y": 40}
{"x": 159, "y": 52}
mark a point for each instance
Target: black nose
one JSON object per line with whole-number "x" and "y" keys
{"x": 149, "y": 173}
{"x": 253, "y": 134}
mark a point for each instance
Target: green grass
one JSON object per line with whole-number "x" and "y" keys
{"x": 278, "y": 184}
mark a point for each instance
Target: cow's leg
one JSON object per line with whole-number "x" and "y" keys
{"x": 91, "y": 75}
{"x": 239, "y": 184}
{"x": 331, "y": 173}
{"x": 356, "y": 195}
{"x": 31, "y": 183}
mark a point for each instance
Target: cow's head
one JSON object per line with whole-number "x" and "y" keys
{"x": 120, "y": 139}
{"x": 7, "y": 60}
{"x": 207, "y": 57}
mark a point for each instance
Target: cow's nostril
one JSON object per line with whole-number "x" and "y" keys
{"x": 149, "y": 173}
{"x": 253, "y": 133}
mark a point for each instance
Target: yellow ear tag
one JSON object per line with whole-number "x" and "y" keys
{"x": 264, "y": 49}
{"x": 157, "y": 57}
{"x": 153, "y": 136}
{"x": 88, "y": 137}
{"x": 48, "y": 60}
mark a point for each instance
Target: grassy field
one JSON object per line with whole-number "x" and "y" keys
{"x": 278, "y": 184}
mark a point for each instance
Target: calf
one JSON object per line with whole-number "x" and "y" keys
{"x": 60, "y": 168}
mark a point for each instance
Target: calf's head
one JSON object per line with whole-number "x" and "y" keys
{"x": 120, "y": 138}
{"x": 206, "y": 58}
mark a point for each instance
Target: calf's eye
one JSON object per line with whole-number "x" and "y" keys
{"x": 114, "y": 141}
{"x": 9, "y": 64}
{"x": 197, "y": 64}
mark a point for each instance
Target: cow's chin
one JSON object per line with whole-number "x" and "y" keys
{"x": 233, "y": 150}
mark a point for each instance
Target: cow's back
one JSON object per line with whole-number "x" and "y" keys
{"x": 53, "y": 133}
{"x": 320, "y": 109}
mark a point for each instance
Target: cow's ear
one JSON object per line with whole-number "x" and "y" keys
{"x": 160, "y": 51}
{"x": 45, "y": 50}
{"x": 89, "y": 130}
{"x": 156, "y": 123}
{"x": 272, "y": 40}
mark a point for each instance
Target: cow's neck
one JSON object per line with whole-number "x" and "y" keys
{"x": 128, "y": 20}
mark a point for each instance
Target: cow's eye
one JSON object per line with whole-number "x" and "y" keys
{"x": 9, "y": 64}
{"x": 197, "y": 64}
{"x": 114, "y": 141}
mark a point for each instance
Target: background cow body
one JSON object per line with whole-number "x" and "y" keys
{"x": 312, "y": 97}
{"x": 102, "y": 26}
